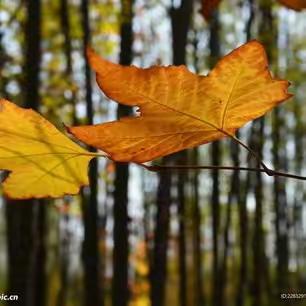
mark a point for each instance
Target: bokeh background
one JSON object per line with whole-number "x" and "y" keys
{"x": 137, "y": 238}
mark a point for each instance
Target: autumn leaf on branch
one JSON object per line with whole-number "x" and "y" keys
{"x": 208, "y": 7}
{"x": 179, "y": 109}
{"x": 296, "y": 5}
{"x": 42, "y": 161}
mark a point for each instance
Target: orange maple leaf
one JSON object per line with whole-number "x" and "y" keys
{"x": 208, "y": 7}
{"x": 296, "y": 5}
{"x": 179, "y": 109}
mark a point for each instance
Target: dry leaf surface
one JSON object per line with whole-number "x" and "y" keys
{"x": 296, "y": 5}
{"x": 42, "y": 161}
{"x": 179, "y": 109}
{"x": 208, "y": 7}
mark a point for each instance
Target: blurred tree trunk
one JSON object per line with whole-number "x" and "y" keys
{"x": 243, "y": 242}
{"x": 120, "y": 290}
{"x": 233, "y": 195}
{"x": 279, "y": 132}
{"x": 280, "y": 200}
{"x": 65, "y": 235}
{"x": 90, "y": 251}
{"x": 3, "y": 58}
{"x": 180, "y": 21}
{"x": 159, "y": 261}
{"x": 64, "y": 244}
{"x": 199, "y": 299}
{"x": 197, "y": 247}
{"x": 243, "y": 285}
{"x": 299, "y": 144}
{"x": 242, "y": 203}
{"x": 65, "y": 25}
{"x": 26, "y": 220}
{"x": 258, "y": 238}
{"x": 261, "y": 280}
{"x": 214, "y": 45}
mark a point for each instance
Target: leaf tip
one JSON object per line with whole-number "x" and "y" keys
{"x": 11, "y": 195}
{"x": 257, "y": 44}
{"x": 89, "y": 52}
{"x": 66, "y": 127}
{"x": 70, "y": 130}
{"x": 2, "y": 102}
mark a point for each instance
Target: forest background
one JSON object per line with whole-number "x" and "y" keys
{"x": 140, "y": 238}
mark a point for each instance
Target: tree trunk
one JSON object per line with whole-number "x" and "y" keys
{"x": 199, "y": 299}
{"x": 26, "y": 220}
{"x": 159, "y": 262}
{"x": 261, "y": 280}
{"x": 258, "y": 238}
{"x": 234, "y": 194}
{"x": 280, "y": 202}
{"x": 243, "y": 242}
{"x": 120, "y": 290}
{"x": 214, "y": 45}
{"x": 279, "y": 153}
{"x": 90, "y": 252}
{"x": 64, "y": 243}
{"x": 180, "y": 21}
{"x": 197, "y": 248}
{"x": 299, "y": 190}
{"x": 65, "y": 25}
{"x": 242, "y": 203}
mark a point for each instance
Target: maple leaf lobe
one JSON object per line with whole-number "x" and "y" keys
{"x": 296, "y": 5}
{"x": 208, "y": 7}
{"x": 179, "y": 109}
{"x": 42, "y": 161}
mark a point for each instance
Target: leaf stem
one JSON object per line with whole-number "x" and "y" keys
{"x": 95, "y": 154}
{"x": 264, "y": 169}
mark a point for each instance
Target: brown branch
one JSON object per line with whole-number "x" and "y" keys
{"x": 269, "y": 172}
{"x": 266, "y": 169}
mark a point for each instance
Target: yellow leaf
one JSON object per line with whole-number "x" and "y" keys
{"x": 43, "y": 162}
{"x": 179, "y": 109}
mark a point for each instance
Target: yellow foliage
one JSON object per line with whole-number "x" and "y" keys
{"x": 43, "y": 162}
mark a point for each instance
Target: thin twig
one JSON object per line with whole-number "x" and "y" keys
{"x": 266, "y": 169}
{"x": 272, "y": 172}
